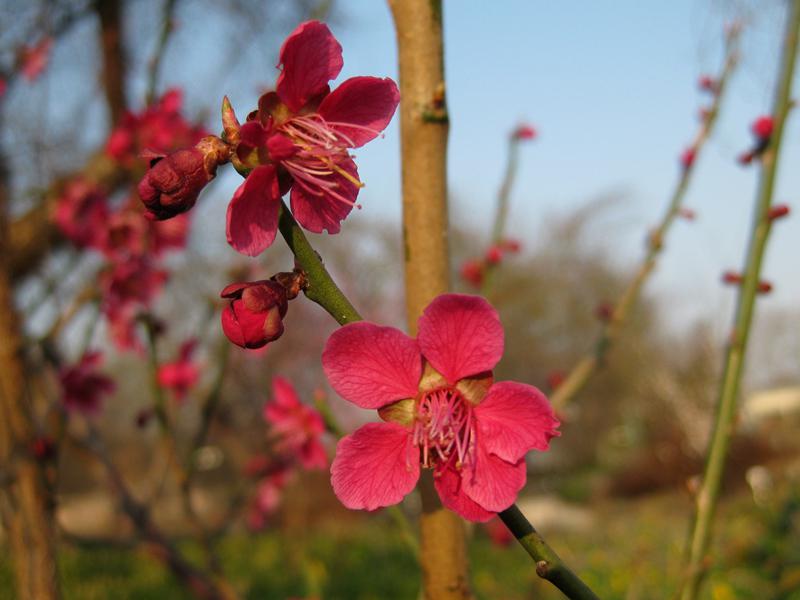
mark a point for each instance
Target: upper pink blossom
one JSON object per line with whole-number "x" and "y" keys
{"x": 297, "y": 426}
{"x": 299, "y": 139}
{"x": 35, "y": 59}
{"x": 159, "y": 129}
{"x": 442, "y": 411}
{"x": 82, "y": 387}
{"x": 182, "y": 374}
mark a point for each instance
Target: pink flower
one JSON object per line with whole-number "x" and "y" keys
{"x": 173, "y": 182}
{"x": 442, "y": 411}
{"x": 524, "y": 132}
{"x": 82, "y": 388}
{"x": 297, "y": 426}
{"x": 255, "y": 314}
{"x": 159, "y": 129}
{"x": 180, "y": 375}
{"x": 35, "y": 59}
{"x": 299, "y": 138}
{"x": 81, "y": 213}
{"x": 129, "y": 286}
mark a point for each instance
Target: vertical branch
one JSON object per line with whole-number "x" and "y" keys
{"x": 424, "y": 130}
{"x": 708, "y": 494}
{"x": 580, "y": 374}
{"x": 110, "y": 14}
{"x": 26, "y": 510}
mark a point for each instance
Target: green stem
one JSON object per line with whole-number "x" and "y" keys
{"x": 324, "y": 291}
{"x": 321, "y": 287}
{"x": 586, "y": 367}
{"x": 708, "y": 494}
{"x": 549, "y": 565}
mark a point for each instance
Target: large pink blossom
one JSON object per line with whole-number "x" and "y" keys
{"x": 297, "y": 427}
{"x": 442, "y": 410}
{"x": 299, "y": 138}
{"x": 82, "y": 387}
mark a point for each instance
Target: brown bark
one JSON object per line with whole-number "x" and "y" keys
{"x": 424, "y": 130}
{"x": 26, "y": 508}
{"x": 110, "y": 12}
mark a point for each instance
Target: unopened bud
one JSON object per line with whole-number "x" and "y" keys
{"x": 732, "y": 278}
{"x": 687, "y": 158}
{"x": 687, "y": 213}
{"x": 777, "y": 212}
{"x": 764, "y": 287}
{"x": 255, "y": 314}
{"x": 494, "y": 255}
{"x": 604, "y": 311}
{"x": 472, "y": 272}
{"x": 171, "y": 185}
{"x": 524, "y": 132}
{"x": 762, "y": 127}
{"x": 708, "y": 84}
{"x": 230, "y": 124}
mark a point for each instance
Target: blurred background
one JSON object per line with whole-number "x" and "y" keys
{"x": 612, "y": 92}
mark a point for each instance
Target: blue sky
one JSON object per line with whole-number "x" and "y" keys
{"x": 611, "y": 87}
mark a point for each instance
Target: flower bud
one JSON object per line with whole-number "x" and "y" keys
{"x": 732, "y": 278}
{"x": 687, "y": 158}
{"x": 173, "y": 182}
{"x": 777, "y": 212}
{"x": 524, "y": 132}
{"x": 494, "y": 255}
{"x": 687, "y": 213}
{"x": 472, "y": 272}
{"x": 762, "y": 127}
{"x": 708, "y": 84}
{"x": 255, "y": 314}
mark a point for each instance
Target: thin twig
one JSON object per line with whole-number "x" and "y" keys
{"x": 586, "y": 367}
{"x": 708, "y": 495}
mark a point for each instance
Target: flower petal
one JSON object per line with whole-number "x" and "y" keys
{"x": 324, "y": 209}
{"x": 375, "y": 466}
{"x": 460, "y": 336}
{"x": 448, "y": 484}
{"x": 514, "y": 418}
{"x": 494, "y": 483}
{"x": 252, "y": 219}
{"x": 368, "y": 103}
{"x": 310, "y": 57}
{"x": 372, "y": 366}
{"x": 283, "y": 394}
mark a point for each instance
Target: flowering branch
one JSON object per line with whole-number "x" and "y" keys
{"x": 708, "y": 494}
{"x": 586, "y": 367}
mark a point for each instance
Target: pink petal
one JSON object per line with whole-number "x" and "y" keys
{"x": 310, "y": 57}
{"x": 318, "y": 210}
{"x": 375, "y": 466}
{"x": 372, "y": 366}
{"x": 514, "y": 418}
{"x": 448, "y": 484}
{"x": 252, "y": 219}
{"x": 368, "y": 102}
{"x": 283, "y": 393}
{"x": 494, "y": 483}
{"x": 460, "y": 336}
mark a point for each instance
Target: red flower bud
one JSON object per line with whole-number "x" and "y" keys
{"x": 762, "y": 127}
{"x": 687, "y": 213}
{"x": 511, "y": 245}
{"x": 255, "y": 314}
{"x": 604, "y": 311}
{"x": 555, "y": 379}
{"x": 171, "y": 185}
{"x": 43, "y": 448}
{"x": 732, "y": 278}
{"x": 472, "y": 272}
{"x": 494, "y": 255}
{"x": 687, "y": 158}
{"x": 708, "y": 84}
{"x": 745, "y": 158}
{"x": 777, "y": 212}
{"x": 703, "y": 114}
{"x": 764, "y": 287}
{"x": 524, "y": 132}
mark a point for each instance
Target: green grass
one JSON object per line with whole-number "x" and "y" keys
{"x": 633, "y": 552}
